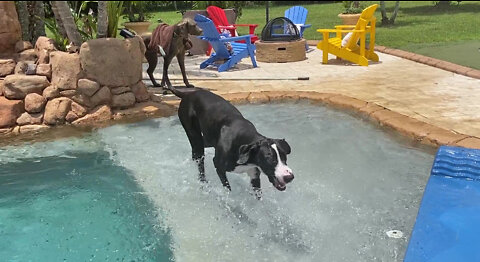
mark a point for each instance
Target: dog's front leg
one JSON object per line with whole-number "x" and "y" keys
{"x": 166, "y": 63}
{"x": 255, "y": 182}
{"x": 181, "y": 63}
{"x": 222, "y": 174}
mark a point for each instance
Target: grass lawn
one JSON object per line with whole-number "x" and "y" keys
{"x": 419, "y": 27}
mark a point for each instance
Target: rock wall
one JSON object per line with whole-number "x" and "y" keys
{"x": 42, "y": 87}
{"x": 10, "y": 31}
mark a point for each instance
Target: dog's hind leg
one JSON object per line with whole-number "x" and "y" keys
{"x": 192, "y": 129}
{"x": 152, "y": 64}
{"x": 181, "y": 63}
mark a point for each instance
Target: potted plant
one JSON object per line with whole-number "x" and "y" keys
{"x": 136, "y": 16}
{"x": 353, "y": 10}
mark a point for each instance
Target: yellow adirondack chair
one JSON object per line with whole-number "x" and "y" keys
{"x": 351, "y": 51}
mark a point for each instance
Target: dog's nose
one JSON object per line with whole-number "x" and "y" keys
{"x": 288, "y": 178}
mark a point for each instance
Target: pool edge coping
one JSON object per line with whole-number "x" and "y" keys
{"x": 414, "y": 129}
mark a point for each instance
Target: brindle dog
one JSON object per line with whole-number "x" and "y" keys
{"x": 178, "y": 46}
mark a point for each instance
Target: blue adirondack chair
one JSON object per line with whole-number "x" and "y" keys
{"x": 240, "y": 50}
{"x": 298, "y": 15}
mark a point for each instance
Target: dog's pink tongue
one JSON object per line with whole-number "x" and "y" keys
{"x": 279, "y": 186}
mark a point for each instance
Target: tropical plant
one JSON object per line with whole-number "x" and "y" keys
{"x": 114, "y": 11}
{"x": 352, "y": 7}
{"x": 86, "y": 23}
{"x": 136, "y": 11}
{"x": 60, "y": 41}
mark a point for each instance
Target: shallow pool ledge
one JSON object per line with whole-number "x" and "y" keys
{"x": 412, "y": 128}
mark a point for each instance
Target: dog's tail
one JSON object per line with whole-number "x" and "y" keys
{"x": 176, "y": 92}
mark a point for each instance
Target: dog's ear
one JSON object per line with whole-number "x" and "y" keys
{"x": 283, "y": 145}
{"x": 244, "y": 153}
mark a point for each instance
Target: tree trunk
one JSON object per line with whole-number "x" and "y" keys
{"x": 68, "y": 22}
{"x": 102, "y": 27}
{"x": 39, "y": 16}
{"x": 24, "y": 19}
{"x": 384, "y": 13}
{"x": 385, "y": 19}
{"x": 175, "y": 5}
{"x": 58, "y": 19}
{"x": 395, "y": 12}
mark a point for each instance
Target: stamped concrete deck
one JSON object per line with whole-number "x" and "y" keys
{"x": 432, "y": 95}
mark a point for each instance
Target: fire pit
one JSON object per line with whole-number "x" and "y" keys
{"x": 280, "y": 42}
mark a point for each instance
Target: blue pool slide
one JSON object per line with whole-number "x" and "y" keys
{"x": 448, "y": 221}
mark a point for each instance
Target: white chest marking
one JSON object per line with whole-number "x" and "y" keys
{"x": 249, "y": 169}
{"x": 281, "y": 169}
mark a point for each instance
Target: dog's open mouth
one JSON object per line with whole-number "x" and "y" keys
{"x": 278, "y": 185}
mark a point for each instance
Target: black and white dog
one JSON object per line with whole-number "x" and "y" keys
{"x": 211, "y": 121}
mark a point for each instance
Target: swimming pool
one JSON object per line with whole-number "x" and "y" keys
{"x": 130, "y": 192}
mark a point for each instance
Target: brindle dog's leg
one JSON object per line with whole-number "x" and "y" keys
{"x": 165, "y": 80}
{"x": 151, "y": 56}
{"x": 181, "y": 63}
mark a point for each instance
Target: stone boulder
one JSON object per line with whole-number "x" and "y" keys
{"x": 44, "y": 70}
{"x": 1, "y": 87}
{"x": 98, "y": 115}
{"x": 76, "y": 112}
{"x": 87, "y": 87}
{"x": 120, "y": 90}
{"x": 34, "y": 103}
{"x": 10, "y": 31}
{"x": 31, "y": 69}
{"x": 51, "y": 92}
{"x": 30, "y": 119}
{"x": 27, "y": 55}
{"x": 10, "y": 110}
{"x": 102, "y": 97}
{"x": 68, "y": 93}
{"x": 21, "y": 68}
{"x": 56, "y": 111}
{"x": 7, "y": 67}
{"x": 78, "y": 109}
{"x": 83, "y": 100}
{"x": 44, "y": 46}
{"x": 33, "y": 128}
{"x": 140, "y": 91}
{"x": 22, "y": 45}
{"x": 113, "y": 62}
{"x": 124, "y": 100}
{"x": 65, "y": 70}
{"x": 18, "y": 86}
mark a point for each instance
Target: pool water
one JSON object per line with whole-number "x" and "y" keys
{"x": 130, "y": 192}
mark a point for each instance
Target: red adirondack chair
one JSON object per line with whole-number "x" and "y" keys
{"x": 217, "y": 15}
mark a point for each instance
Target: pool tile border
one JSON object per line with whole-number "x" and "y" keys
{"x": 414, "y": 129}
